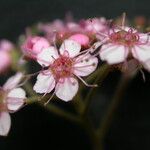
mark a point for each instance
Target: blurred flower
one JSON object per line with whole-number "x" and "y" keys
{"x": 63, "y": 69}
{"x": 5, "y": 54}
{"x": 95, "y": 25}
{"x": 126, "y": 43}
{"x": 61, "y": 30}
{"x": 11, "y": 99}
{"x": 6, "y": 62}
{"x": 34, "y": 45}
{"x": 6, "y": 45}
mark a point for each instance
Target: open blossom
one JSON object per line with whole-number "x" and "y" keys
{"x": 11, "y": 99}
{"x": 126, "y": 43}
{"x": 34, "y": 45}
{"x": 64, "y": 67}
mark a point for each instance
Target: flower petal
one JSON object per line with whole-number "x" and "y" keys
{"x": 142, "y": 53}
{"x": 113, "y": 54}
{"x": 67, "y": 89}
{"x": 71, "y": 46}
{"x": 47, "y": 56}
{"x": 144, "y": 38}
{"x": 5, "y": 123}
{"x": 15, "y": 99}
{"x": 85, "y": 65}
{"x": 45, "y": 83}
{"x": 13, "y": 81}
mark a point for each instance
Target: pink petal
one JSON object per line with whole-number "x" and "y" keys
{"x": 85, "y": 65}
{"x": 67, "y": 89}
{"x": 71, "y": 46}
{"x": 5, "y": 123}
{"x": 13, "y": 81}
{"x": 47, "y": 56}
{"x": 45, "y": 83}
{"x": 113, "y": 54}
{"x": 15, "y": 99}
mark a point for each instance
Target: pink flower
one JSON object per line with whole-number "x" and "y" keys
{"x": 125, "y": 42}
{"x": 82, "y": 39}
{"x": 11, "y": 99}
{"x": 64, "y": 67}
{"x": 34, "y": 45}
{"x": 6, "y": 45}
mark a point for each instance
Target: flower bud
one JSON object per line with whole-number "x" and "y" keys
{"x": 81, "y": 39}
{"x": 34, "y": 45}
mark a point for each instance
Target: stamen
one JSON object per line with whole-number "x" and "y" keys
{"x": 49, "y": 98}
{"x": 143, "y": 75}
{"x": 86, "y": 84}
{"x": 123, "y": 20}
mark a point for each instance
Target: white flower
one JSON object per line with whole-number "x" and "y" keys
{"x": 124, "y": 42}
{"x": 11, "y": 99}
{"x": 64, "y": 66}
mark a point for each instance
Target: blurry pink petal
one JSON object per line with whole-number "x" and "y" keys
{"x": 15, "y": 99}
{"x": 13, "y": 81}
{"x": 67, "y": 89}
{"x": 72, "y": 47}
{"x": 85, "y": 65}
{"x": 5, "y": 60}
{"x": 81, "y": 39}
{"x": 45, "y": 82}
{"x": 5, "y": 123}
{"x": 113, "y": 54}
{"x": 47, "y": 56}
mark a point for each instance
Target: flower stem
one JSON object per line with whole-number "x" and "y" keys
{"x": 108, "y": 118}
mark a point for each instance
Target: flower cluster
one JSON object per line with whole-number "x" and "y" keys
{"x": 67, "y": 52}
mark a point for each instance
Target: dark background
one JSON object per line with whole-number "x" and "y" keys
{"x": 34, "y": 127}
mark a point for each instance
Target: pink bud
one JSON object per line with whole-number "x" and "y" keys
{"x": 6, "y": 60}
{"x": 34, "y": 45}
{"x": 81, "y": 39}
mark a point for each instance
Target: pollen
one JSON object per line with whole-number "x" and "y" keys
{"x": 127, "y": 38}
{"x": 62, "y": 67}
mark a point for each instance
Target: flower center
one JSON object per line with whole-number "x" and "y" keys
{"x": 62, "y": 67}
{"x": 127, "y": 38}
